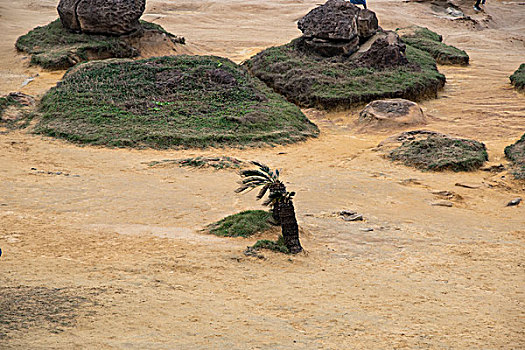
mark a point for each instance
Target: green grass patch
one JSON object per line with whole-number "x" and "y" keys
{"x": 518, "y": 78}
{"x": 54, "y": 47}
{"x": 431, "y": 42}
{"x": 276, "y": 246}
{"x": 244, "y": 224}
{"x": 439, "y": 153}
{"x": 311, "y": 81}
{"x": 188, "y": 101}
{"x": 516, "y": 154}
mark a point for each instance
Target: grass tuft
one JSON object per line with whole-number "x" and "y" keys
{"x": 162, "y": 102}
{"x": 276, "y": 246}
{"x": 431, "y": 42}
{"x": 518, "y": 78}
{"x": 7, "y": 101}
{"x": 437, "y": 153}
{"x": 310, "y": 81}
{"x": 516, "y": 154}
{"x": 244, "y": 224}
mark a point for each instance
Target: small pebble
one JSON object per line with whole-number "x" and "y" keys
{"x": 366, "y": 229}
{"x": 514, "y": 202}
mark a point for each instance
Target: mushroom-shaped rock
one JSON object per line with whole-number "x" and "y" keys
{"x": 335, "y": 20}
{"x": 391, "y": 113}
{"x": 108, "y": 17}
{"x": 336, "y": 28}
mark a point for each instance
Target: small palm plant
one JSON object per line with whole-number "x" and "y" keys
{"x": 281, "y": 201}
{"x": 269, "y": 181}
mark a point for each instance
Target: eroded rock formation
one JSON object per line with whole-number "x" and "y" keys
{"x": 390, "y": 113}
{"x": 107, "y": 17}
{"x": 337, "y": 28}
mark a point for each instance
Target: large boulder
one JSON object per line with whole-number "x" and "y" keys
{"x": 391, "y": 113}
{"x": 335, "y": 20}
{"x": 107, "y": 17}
{"x": 337, "y": 28}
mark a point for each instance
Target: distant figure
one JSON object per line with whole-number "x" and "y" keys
{"x": 476, "y": 7}
{"x": 359, "y": 2}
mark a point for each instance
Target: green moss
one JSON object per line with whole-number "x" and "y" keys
{"x": 276, "y": 246}
{"x": 315, "y": 82}
{"x": 190, "y": 101}
{"x": 244, "y": 224}
{"x": 54, "y": 47}
{"x": 438, "y": 153}
{"x": 428, "y": 41}
{"x": 516, "y": 154}
{"x": 518, "y": 78}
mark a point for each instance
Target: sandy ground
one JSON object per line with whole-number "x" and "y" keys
{"x": 124, "y": 237}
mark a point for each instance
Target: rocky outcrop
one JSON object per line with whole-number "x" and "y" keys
{"x": 391, "y": 113}
{"x": 383, "y": 50}
{"x": 107, "y": 17}
{"x": 337, "y": 28}
{"x": 429, "y": 150}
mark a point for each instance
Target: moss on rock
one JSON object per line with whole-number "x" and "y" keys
{"x": 54, "y": 47}
{"x": 516, "y": 154}
{"x": 189, "y": 101}
{"x": 439, "y": 152}
{"x": 431, "y": 42}
{"x": 328, "y": 83}
{"x": 518, "y": 78}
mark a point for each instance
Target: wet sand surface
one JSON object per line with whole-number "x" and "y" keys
{"x": 102, "y": 225}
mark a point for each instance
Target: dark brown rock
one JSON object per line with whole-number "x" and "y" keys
{"x": 383, "y": 50}
{"x": 108, "y": 17}
{"x": 367, "y": 24}
{"x": 335, "y": 20}
{"x": 68, "y": 16}
{"x": 336, "y": 28}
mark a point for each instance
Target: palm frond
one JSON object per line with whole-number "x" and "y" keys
{"x": 251, "y": 172}
{"x": 263, "y": 191}
{"x": 243, "y": 188}
{"x": 262, "y": 166}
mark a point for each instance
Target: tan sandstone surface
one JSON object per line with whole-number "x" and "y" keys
{"x": 125, "y": 237}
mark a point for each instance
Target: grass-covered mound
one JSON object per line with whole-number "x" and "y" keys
{"x": 277, "y": 246}
{"x": 312, "y": 81}
{"x": 54, "y": 47}
{"x": 516, "y": 154}
{"x": 243, "y": 224}
{"x": 518, "y": 78}
{"x": 190, "y": 101}
{"x": 438, "y": 152}
{"x": 431, "y": 42}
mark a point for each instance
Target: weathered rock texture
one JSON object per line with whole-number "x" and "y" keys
{"x": 383, "y": 50}
{"x": 108, "y": 17}
{"x": 337, "y": 28}
{"x": 390, "y": 113}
